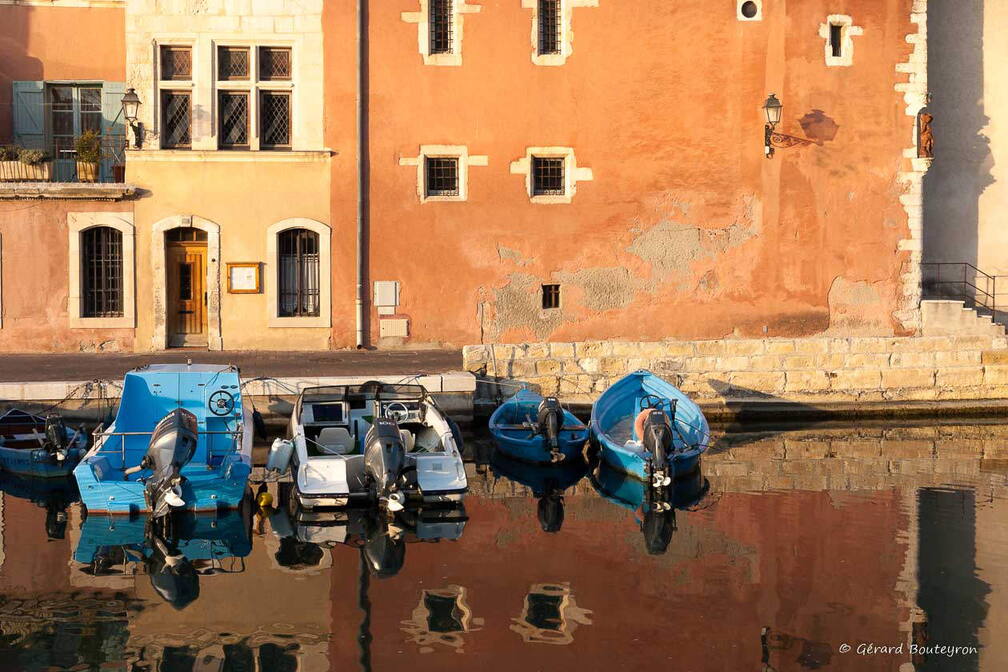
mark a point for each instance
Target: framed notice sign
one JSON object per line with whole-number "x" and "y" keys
{"x": 243, "y": 277}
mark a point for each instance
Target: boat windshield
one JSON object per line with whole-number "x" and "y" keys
{"x": 370, "y": 390}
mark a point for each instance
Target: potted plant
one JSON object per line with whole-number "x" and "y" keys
{"x": 35, "y": 165}
{"x": 88, "y": 148}
{"x": 10, "y": 169}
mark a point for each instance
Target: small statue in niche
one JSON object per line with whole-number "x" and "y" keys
{"x": 925, "y": 135}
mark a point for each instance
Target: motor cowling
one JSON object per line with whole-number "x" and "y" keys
{"x": 656, "y": 437}
{"x": 56, "y": 437}
{"x": 172, "y": 445}
{"x": 549, "y": 420}
{"x": 384, "y": 459}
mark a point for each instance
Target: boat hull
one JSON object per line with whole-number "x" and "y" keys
{"x": 522, "y": 444}
{"x": 36, "y": 463}
{"x": 619, "y": 405}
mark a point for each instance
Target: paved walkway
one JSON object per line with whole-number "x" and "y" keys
{"x": 89, "y": 366}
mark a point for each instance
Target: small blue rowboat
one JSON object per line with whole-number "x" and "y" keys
{"x": 31, "y": 445}
{"x": 180, "y": 427}
{"x": 535, "y": 429}
{"x": 674, "y": 429}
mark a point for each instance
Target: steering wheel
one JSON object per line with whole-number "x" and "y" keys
{"x": 651, "y": 401}
{"x": 221, "y": 403}
{"x": 397, "y": 411}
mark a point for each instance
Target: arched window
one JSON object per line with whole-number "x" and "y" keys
{"x": 298, "y": 273}
{"x": 101, "y": 272}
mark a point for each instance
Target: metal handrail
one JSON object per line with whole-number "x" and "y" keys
{"x": 983, "y": 297}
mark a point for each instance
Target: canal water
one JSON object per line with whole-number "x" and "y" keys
{"x": 804, "y": 548}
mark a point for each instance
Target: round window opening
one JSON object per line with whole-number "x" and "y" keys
{"x": 749, "y": 9}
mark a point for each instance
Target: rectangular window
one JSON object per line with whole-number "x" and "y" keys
{"x": 274, "y": 120}
{"x": 550, "y": 24}
{"x": 836, "y": 39}
{"x": 234, "y": 120}
{"x": 441, "y": 28}
{"x": 176, "y": 120}
{"x": 548, "y": 176}
{"x": 176, "y": 63}
{"x": 550, "y": 296}
{"x": 274, "y": 63}
{"x": 101, "y": 272}
{"x": 298, "y": 273}
{"x": 442, "y": 176}
{"x": 233, "y": 63}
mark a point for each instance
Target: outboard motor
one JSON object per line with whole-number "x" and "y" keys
{"x": 549, "y": 420}
{"x": 384, "y": 459}
{"x": 171, "y": 446}
{"x": 656, "y": 436}
{"x": 56, "y": 437}
{"x": 172, "y": 574}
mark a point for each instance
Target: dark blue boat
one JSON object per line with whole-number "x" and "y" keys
{"x": 31, "y": 445}
{"x": 535, "y": 429}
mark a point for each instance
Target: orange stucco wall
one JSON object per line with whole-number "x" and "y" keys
{"x": 686, "y": 230}
{"x": 53, "y": 43}
{"x": 35, "y": 279}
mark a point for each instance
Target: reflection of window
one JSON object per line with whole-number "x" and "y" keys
{"x": 441, "y": 28}
{"x": 443, "y": 613}
{"x": 254, "y": 97}
{"x": 545, "y": 611}
{"x": 298, "y": 273}
{"x": 101, "y": 272}
{"x": 548, "y": 176}
{"x": 550, "y": 16}
{"x": 278, "y": 659}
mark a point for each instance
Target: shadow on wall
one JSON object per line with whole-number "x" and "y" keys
{"x": 962, "y": 166}
{"x": 15, "y": 63}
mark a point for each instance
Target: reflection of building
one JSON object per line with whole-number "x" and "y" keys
{"x": 442, "y": 618}
{"x": 550, "y": 615}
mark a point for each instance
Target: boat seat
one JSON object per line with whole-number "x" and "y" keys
{"x": 335, "y": 441}
{"x": 407, "y": 440}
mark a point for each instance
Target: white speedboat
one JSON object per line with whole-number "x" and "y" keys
{"x": 380, "y": 442}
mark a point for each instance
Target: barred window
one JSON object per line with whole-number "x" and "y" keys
{"x": 233, "y": 63}
{"x": 176, "y": 120}
{"x": 548, "y": 176}
{"x": 274, "y": 63}
{"x": 298, "y": 273}
{"x": 441, "y": 28}
{"x": 274, "y": 120}
{"x": 176, "y": 63}
{"x": 550, "y": 25}
{"x": 234, "y": 120}
{"x": 442, "y": 176}
{"x": 101, "y": 272}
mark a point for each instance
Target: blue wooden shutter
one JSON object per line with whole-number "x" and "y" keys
{"x": 29, "y": 114}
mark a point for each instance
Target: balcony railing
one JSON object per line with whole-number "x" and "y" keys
{"x": 62, "y": 165}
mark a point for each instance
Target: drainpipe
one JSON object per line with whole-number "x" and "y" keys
{"x": 362, "y": 178}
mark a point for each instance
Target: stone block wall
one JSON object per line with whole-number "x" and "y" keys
{"x": 813, "y": 370}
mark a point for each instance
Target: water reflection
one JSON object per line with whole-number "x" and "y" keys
{"x": 786, "y": 547}
{"x": 55, "y": 495}
{"x": 548, "y": 484}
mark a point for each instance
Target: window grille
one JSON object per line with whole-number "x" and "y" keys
{"x": 176, "y": 120}
{"x": 274, "y": 120}
{"x": 101, "y": 272}
{"x": 442, "y": 176}
{"x": 550, "y": 25}
{"x": 298, "y": 273}
{"x": 441, "y": 28}
{"x": 233, "y": 63}
{"x": 176, "y": 63}
{"x": 548, "y": 176}
{"x": 550, "y": 296}
{"x": 274, "y": 63}
{"x": 234, "y": 119}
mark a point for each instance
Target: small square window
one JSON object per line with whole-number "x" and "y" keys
{"x": 233, "y": 63}
{"x": 442, "y": 176}
{"x": 548, "y": 176}
{"x": 274, "y": 63}
{"x": 550, "y": 296}
{"x": 176, "y": 63}
{"x": 234, "y": 120}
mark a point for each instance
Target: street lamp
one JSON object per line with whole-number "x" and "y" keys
{"x": 772, "y": 107}
{"x": 130, "y": 108}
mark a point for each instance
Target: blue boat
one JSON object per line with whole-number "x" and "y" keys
{"x": 201, "y": 426}
{"x": 31, "y": 445}
{"x": 675, "y": 430}
{"x": 535, "y": 429}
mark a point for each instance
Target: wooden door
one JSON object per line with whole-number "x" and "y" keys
{"x": 187, "y": 295}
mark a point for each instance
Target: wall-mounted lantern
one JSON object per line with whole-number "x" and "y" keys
{"x": 771, "y": 138}
{"x": 131, "y": 109}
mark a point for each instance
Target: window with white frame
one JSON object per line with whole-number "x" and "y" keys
{"x": 253, "y": 88}
{"x": 443, "y": 171}
{"x": 838, "y": 33}
{"x": 551, "y": 174}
